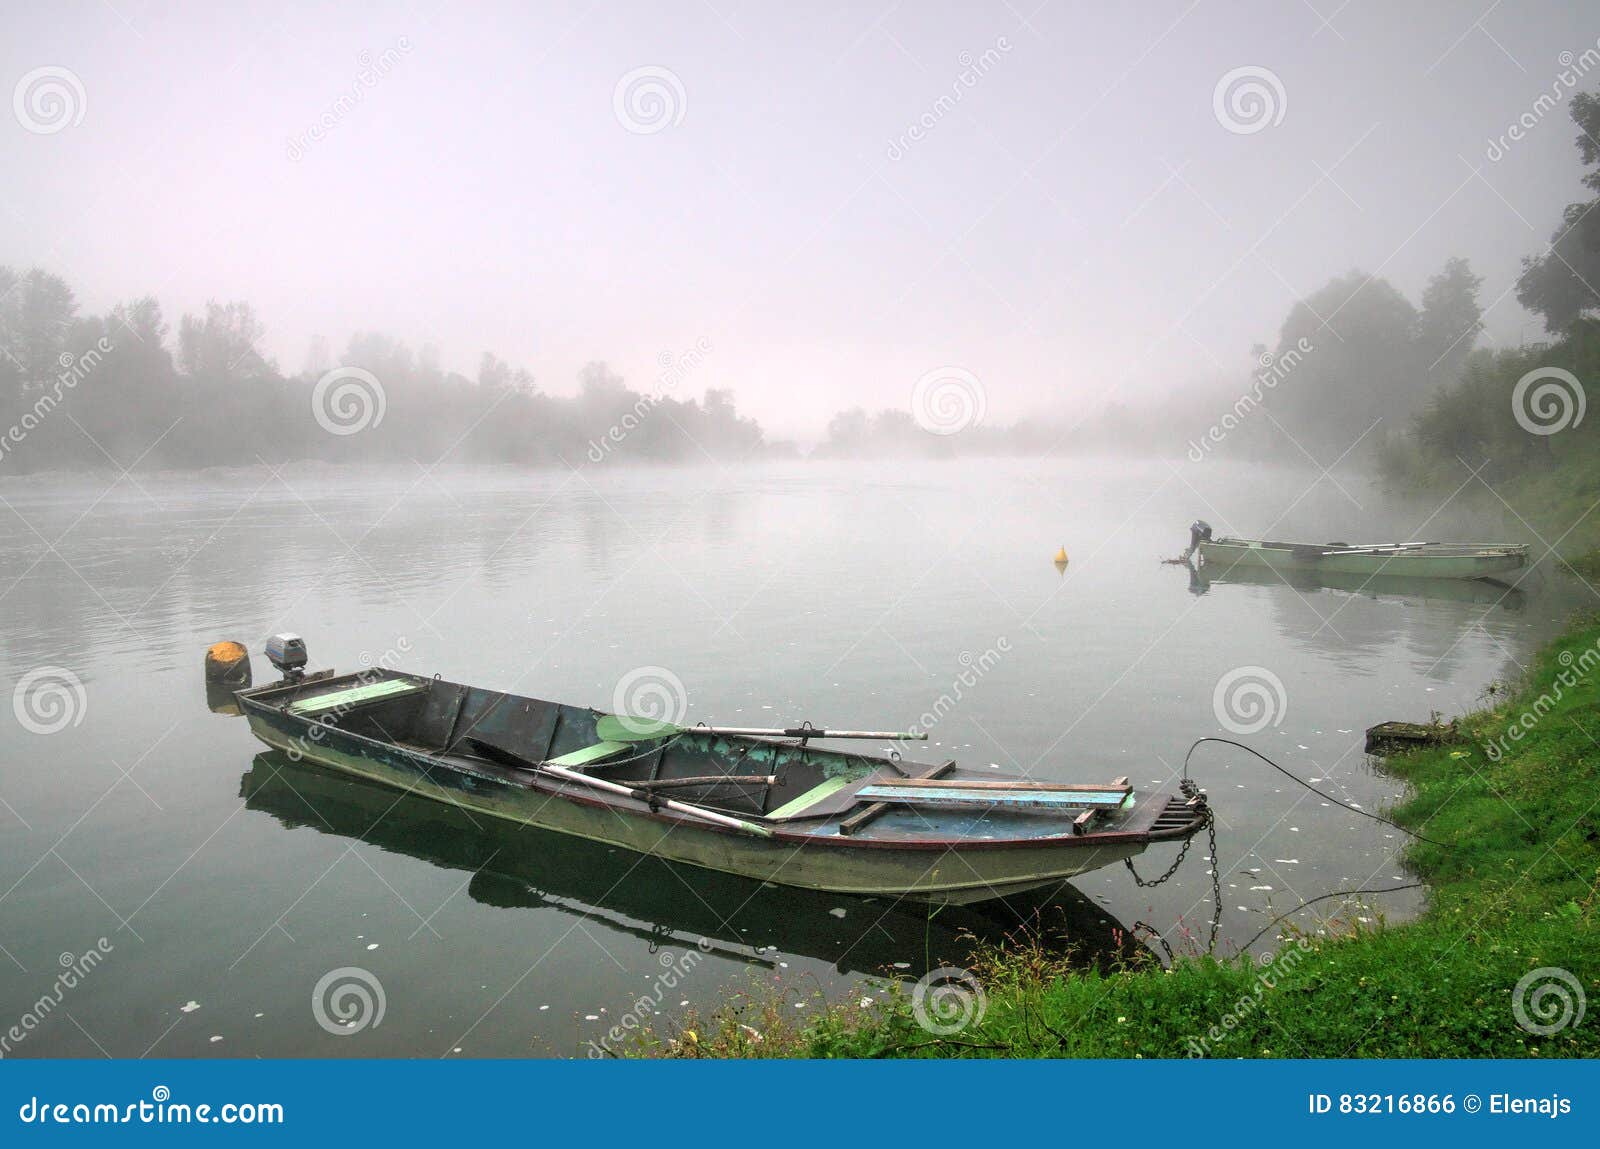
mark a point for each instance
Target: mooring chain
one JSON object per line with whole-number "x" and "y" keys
{"x": 1172, "y": 869}
{"x": 1216, "y": 880}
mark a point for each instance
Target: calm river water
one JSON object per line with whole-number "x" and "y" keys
{"x": 228, "y": 884}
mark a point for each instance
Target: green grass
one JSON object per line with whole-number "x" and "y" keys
{"x": 1514, "y": 891}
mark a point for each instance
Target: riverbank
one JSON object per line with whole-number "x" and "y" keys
{"x": 1499, "y": 965}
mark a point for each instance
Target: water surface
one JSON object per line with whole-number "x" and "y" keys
{"x": 228, "y": 882}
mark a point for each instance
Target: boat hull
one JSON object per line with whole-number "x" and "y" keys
{"x": 941, "y": 872}
{"x": 1485, "y": 564}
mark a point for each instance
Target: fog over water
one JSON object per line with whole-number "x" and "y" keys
{"x": 1090, "y": 213}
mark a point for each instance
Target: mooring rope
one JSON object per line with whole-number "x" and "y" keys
{"x": 1309, "y": 786}
{"x": 1216, "y": 863}
{"x": 1323, "y": 898}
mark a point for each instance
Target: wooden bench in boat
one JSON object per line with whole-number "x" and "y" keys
{"x": 1006, "y": 795}
{"x": 589, "y": 755}
{"x": 352, "y": 696}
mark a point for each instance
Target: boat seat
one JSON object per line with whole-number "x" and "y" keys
{"x": 355, "y": 695}
{"x": 589, "y": 755}
{"x": 796, "y": 807}
{"x": 1020, "y": 796}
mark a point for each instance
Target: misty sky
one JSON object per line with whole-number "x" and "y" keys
{"x": 1078, "y": 224}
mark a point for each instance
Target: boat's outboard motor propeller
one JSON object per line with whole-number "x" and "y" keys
{"x": 1199, "y": 532}
{"x": 287, "y": 652}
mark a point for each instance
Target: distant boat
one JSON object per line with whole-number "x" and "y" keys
{"x": 1403, "y": 560}
{"x": 763, "y": 804}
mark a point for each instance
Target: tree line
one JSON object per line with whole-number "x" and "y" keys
{"x": 1519, "y": 413}
{"x": 92, "y": 391}
{"x": 1358, "y": 371}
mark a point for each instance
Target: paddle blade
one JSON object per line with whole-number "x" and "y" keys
{"x": 622, "y": 728}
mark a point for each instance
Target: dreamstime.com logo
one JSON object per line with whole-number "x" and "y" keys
{"x": 49, "y": 99}
{"x": 348, "y": 400}
{"x": 973, "y": 670}
{"x": 370, "y": 73}
{"x": 1276, "y": 968}
{"x": 647, "y": 695}
{"x": 947, "y": 1000}
{"x": 973, "y": 69}
{"x": 1574, "y": 67}
{"x": 948, "y": 400}
{"x": 300, "y": 746}
{"x": 74, "y": 968}
{"x": 1548, "y": 1000}
{"x": 1248, "y": 699}
{"x": 347, "y": 1000}
{"x": 160, "y": 1109}
{"x": 1574, "y": 670}
{"x": 675, "y": 969}
{"x": 674, "y": 369}
{"x": 1249, "y": 99}
{"x": 1547, "y": 400}
{"x": 74, "y": 370}
{"x": 649, "y": 100}
{"x": 1274, "y": 370}
{"x": 48, "y": 699}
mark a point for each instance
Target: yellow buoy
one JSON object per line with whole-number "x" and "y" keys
{"x": 1061, "y": 557}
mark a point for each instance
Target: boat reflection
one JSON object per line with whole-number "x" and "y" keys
{"x": 522, "y": 866}
{"x": 1483, "y": 592}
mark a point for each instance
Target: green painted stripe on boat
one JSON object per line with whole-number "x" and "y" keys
{"x": 811, "y": 797}
{"x": 590, "y": 754}
{"x": 387, "y": 688}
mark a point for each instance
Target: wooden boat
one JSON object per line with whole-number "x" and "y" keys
{"x": 1404, "y": 560}
{"x": 771, "y": 805}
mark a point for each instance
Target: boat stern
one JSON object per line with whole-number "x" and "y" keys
{"x": 1183, "y": 814}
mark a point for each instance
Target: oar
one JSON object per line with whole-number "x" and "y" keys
{"x": 510, "y": 758}
{"x": 1374, "y": 548}
{"x": 618, "y": 728}
{"x": 672, "y": 804}
{"x": 702, "y": 780}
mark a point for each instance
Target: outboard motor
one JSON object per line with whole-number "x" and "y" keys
{"x": 287, "y": 652}
{"x": 1199, "y": 532}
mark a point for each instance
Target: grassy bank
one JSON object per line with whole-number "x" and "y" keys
{"x": 1513, "y": 891}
